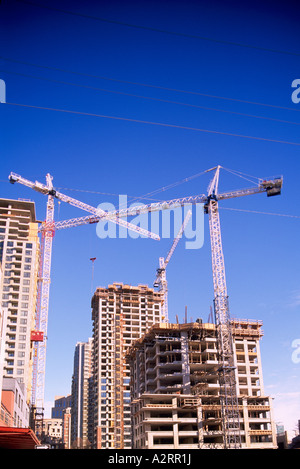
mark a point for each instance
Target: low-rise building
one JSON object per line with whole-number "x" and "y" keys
{"x": 14, "y": 409}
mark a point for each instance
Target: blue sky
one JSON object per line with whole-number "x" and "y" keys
{"x": 222, "y": 83}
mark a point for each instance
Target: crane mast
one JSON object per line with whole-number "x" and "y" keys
{"x": 41, "y": 323}
{"x": 226, "y": 371}
{"x": 161, "y": 278}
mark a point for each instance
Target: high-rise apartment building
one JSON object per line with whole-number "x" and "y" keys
{"x": 62, "y": 410}
{"x": 81, "y": 421}
{"x": 3, "y": 315}
{"x": 19, "y": 255}
{"x": 61, "y": 403}
{"x": 121, "y": 314}
{"x": 176, "y": 392}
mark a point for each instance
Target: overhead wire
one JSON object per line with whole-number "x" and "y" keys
{"x": 152, "y": 98}
{"x": 155, "y": 86}
{"x": 147, "y": 85}
{"x": 158, "y": 30}
{"x": 260, "y": 213}
{"x": 157, "y": 99}
{"x": 243, "y": 176}
{"x": 176, "y": 126}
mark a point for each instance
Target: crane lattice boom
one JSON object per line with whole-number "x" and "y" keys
{"x": 272, "y": 187}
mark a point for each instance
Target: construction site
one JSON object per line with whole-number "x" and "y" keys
{"x": 158, "y": 384}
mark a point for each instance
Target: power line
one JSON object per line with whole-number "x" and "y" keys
{"x": 167, "y": 101}
{"x": 147, "y": 85}
{"x": 153, "y": 123}
{"x": 260, "y": 213}
{"x": 157, "y": 30}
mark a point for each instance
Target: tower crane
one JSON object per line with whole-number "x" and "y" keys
{"x": 47, "y": 231}
{"x": 228, "y": 392}
{"x": 161, "y": 278}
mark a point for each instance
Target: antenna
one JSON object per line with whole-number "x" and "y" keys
{"x": 93, "y": 261}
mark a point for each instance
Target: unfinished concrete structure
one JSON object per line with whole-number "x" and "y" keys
{"x": 121, "y": 314}
{"x": 176, "y": 393}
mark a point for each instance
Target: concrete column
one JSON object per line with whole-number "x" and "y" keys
{"x": 175, "y": 425}
{"x": 246, "y": 423}
{"x": 185, "y": 363}
{"x": 200, "y": 424}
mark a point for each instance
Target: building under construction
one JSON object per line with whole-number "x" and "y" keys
{"x": 175, "y": 388}
{"x": 121, "y": 314}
